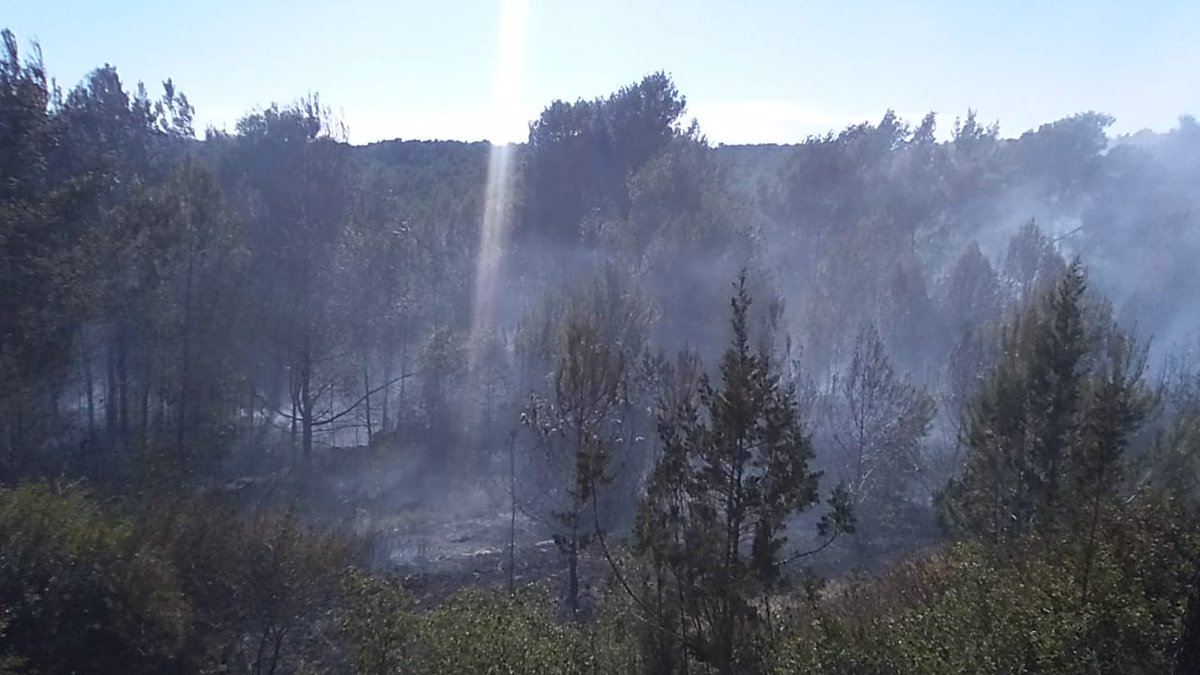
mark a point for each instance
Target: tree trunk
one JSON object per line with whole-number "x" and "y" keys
{"x": 367, "y": 402}
{"x": 403, "y": 381}
{"x": 387, "y": 377}
{"x": 144, "y": 410}
{"x": 512, "y": 514}
{"x": 185, "y": 360}
{"x": 306, "y": 404}
{"x": 573, "y": 575}
{"x": 110, "y": 390}
{"x": 123, "y": 383}
{"x": 307, "y": 438}
{"x": 86, "y": 359}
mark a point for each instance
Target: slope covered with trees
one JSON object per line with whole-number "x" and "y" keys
{"x": 954, "y": 375}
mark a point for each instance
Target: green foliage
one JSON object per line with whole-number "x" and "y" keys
{"x": 1018, "y": 609}
{"x": 581, "y": 154}
{"x": 263, "y": 588}
{"x": 479, "y": 631}
{"x": 879, "y": 421}
{"x": 174, "y": 295}
{"x": 81, "y": 591}
{"x": 1047, "y": 432}
{"x": 972, "y": 292}
{"x": 1032, "y": 260}
{"x": 581, "y": 416}
{"x": 734, "y": 468}
{"x": 41, "y": 219}
{"x": 474, "y": 631}
{"x": 577, "y": 430}
{"x": 380, "y": 625}
{"x": 183, "y": 586}
{"x": 167, "y": 301}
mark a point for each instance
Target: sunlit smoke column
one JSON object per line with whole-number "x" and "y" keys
{"x": 505, "y": 115}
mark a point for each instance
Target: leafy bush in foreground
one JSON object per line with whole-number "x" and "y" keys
{"x": 1022, "y": 608}
{"x": 80, "y": 591}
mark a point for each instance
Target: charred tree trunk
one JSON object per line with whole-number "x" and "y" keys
{"x": 110, "y": 391}
{"x": 185, "y": 357}
{"x": 573, "y": 574}
{"x": 307, "y": 437}
{"x": 123, "y": 382}
{"x": 307, "y": 404}
{"x": 387, "y": 377}
{"x": 89, "y": 385}
{"x": 367, "y": 402}
{"x": 294, "y": 427}
{"x": 512, "y": 513}
{"x": 400, "y": 394}
{"x": 144, "y": 408}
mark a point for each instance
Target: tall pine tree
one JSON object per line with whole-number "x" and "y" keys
{"x": 734, "y": 468}
{"x": 1046, "y": 433}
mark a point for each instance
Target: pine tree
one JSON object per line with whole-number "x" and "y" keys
{"x": 1046, "y": 433}
{"x": 734, "y": 467}
{"x": 576, "y": 429}
{"x": 879, "y": 418}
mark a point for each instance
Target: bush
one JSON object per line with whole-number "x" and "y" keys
{"x": 187, "y": 586}
{"x": 480, "y": 631}
{"x": 80, "y": 591}
{"x": 475, "y": 632}
{"x": 1032, "y": 606}
{"x": 264, "y": 588}
{"x": 380, "y": 626}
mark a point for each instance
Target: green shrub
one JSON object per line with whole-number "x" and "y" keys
{"x": 1031, "y": 606}
{"x": 380, "y": 626}
{"x": 264, "y": 588}
{"x": 480, "y": 631}
{"x": 475, "y": 632}
{"x": 80, "y": 592}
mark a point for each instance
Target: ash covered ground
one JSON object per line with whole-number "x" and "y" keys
{"x": 437, "y": 536}
{"x": 437, "y": 551}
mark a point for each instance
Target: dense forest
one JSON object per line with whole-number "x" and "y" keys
{"x": 611, "y": 400}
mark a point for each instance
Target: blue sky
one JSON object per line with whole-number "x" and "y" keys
{"x": 753, "y": 71}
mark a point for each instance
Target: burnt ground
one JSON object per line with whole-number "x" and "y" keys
{"x": 437, "y": 555}
{"x": 442, "y": 537}
{"x": 438, "y": 536}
